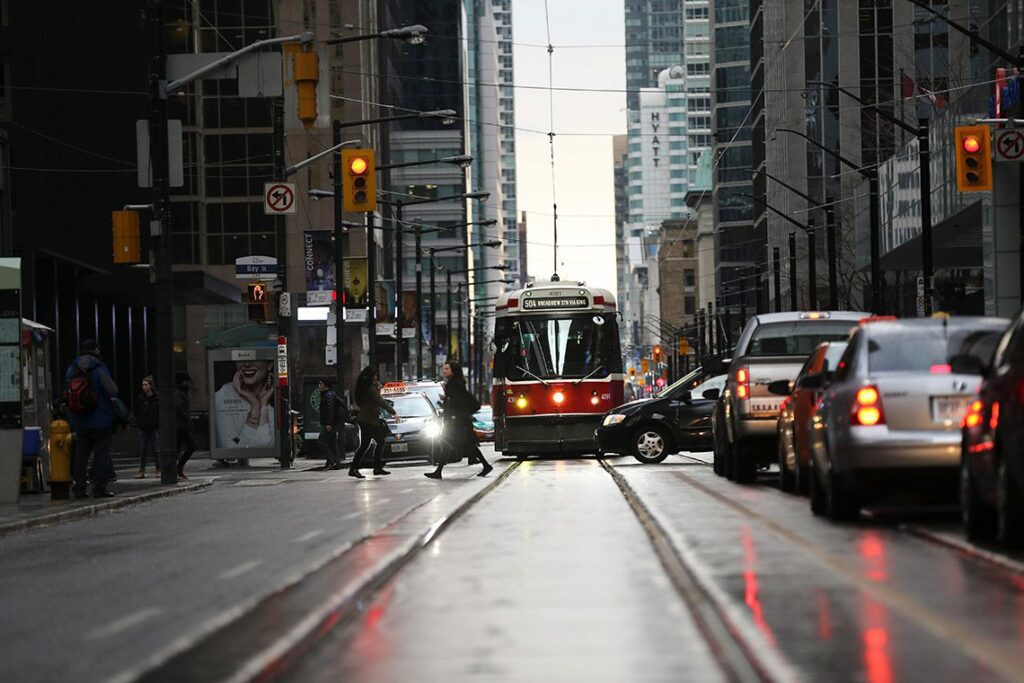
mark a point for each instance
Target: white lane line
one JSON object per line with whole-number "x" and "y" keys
{"x": 407, "y": 491}
{"x": 353, "y": 515}
{"x": 124, "y": 623}
{"x": 380, "y": 501}
{"x": 240, "y": 569}
{"x": 309, "y": 536}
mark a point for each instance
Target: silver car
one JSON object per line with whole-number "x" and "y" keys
{"x": 888, "y": 425}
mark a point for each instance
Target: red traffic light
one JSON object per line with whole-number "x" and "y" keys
{"x": 971, "y": 144}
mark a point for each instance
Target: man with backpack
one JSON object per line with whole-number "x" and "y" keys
{"x": 333, "y": 416}
{"x": 90, "y": 390}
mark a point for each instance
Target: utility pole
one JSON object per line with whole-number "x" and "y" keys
{"x": 339, "y": 272}
{"x": 792, "y": 272}
{"x": 371, "y": 276}
{"x": 163, "y": 308}
{"x": 280, "y": 228}
{"x": 777, "y": 273}
{"x": 830, "y": 239}
{"x": 812, "y": 268}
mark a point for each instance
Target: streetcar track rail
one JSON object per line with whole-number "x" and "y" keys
{"x": 262, "y": 642}
{"x": 1005, "y": 663}
{"x": 735, "y": 654}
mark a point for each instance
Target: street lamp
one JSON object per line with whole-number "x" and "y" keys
{"x": 399, "y": 269}
{"x": 413, "y": 35}
{"x": 448, "y": 282}
{"x": 871, "y": 173}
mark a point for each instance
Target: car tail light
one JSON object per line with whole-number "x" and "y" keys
{"x": 598, "y": 300}
{"x": 973, "y": 416}
{"x": 867, "y": 407}
{"x": 941, "y": 369}
{"x": 993, "y": 420}
{"x": 743, "y": 384}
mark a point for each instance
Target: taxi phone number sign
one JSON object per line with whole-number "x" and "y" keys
{"x": 555, "y": 304}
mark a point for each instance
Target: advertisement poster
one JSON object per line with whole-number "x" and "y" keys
{"x": 356, "y": 282}
{"x": 385, "y": 301}
{"x": 409, "y": 308}
{"x": 243, "y": 386}
{"x": 318, "y": 258}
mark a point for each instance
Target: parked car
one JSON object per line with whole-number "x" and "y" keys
{"x": 415, "y": 430}
{"x": 483, "y": 424}
{"x": 676, "y": 420}
{"x": 432, "y": 390}
{"x": 772, "y": 347}
{"x": 888, "y": 426}
{"x": 802, "y": 396}
{"x": 992, "y": 452}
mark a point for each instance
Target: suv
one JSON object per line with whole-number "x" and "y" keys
{"x": 772, "y": 347}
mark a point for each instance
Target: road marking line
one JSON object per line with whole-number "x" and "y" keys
{"x": 353, "y": 515}
{"x": 407, "y": 491}
{"x": 309, "y": 536}
{"x": 380, "y": 502}
{"x": 240, "y": 569}
{"x": 124, "y": 623}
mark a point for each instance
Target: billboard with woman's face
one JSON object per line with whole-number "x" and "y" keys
{"x": 243, "y": 419}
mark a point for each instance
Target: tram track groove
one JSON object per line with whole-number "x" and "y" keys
{"x": 734, "y": 653}
{"x": 1004, "y": 662}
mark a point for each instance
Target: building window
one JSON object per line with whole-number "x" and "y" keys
{"x": 689, "y": 305}
{"x": 687, "y": 249}
{"x": 689, "y": 277}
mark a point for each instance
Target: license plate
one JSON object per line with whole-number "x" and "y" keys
{"x": 399, "y": 448}
{"x": 765, "y": 405}
{"x": 949, "y": 408}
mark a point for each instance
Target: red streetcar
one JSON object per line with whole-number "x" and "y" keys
{"x": 557, "y": 368}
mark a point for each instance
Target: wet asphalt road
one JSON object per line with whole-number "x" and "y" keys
{"x": 551, "y": 575}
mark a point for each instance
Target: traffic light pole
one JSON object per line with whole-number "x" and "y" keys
{"x": 433, "y": 320}
{"x": 448, "y": 329}
{"x": 283, "y": 394}
{"x": 339, "y": 273}
{"x": 399, "y": 284}
{"x": 419, "y": 302}
{"x": 792, "y": 272}
{"x": 371, "y": 276}
{"x": 926, "y": 213}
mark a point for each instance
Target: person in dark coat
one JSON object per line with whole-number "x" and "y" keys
{"x": 183, "y": 421}
{"x": 147, "y": 419}
{"x": 372, "y": 428}
{"x": 92, "y": 429}
{"x": 459, "y": 406}
{"x": 333, "y": 417}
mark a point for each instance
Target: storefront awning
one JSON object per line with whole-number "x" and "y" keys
{"x": 956, "y": 243}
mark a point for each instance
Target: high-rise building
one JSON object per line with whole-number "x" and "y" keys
{"x": 515, "y": 240}
{"x": 655, "y": 33}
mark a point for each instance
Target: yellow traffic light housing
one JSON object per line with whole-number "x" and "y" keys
{"x": 358, "y": 180}
{"x": 126, "y": 236}
{"x": 307, "y": 73}
{"x": 632, "y": 373}
{"x": 258, "y": 299}
{"x": 656, "y": 353}
{"x": 644, "y": 366}
{"x": 973, "y": 159}
{"x": 684, "y": 346}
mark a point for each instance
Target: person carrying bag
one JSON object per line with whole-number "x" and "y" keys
{"x": 459, "y": 406}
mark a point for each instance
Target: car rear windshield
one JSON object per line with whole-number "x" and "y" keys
{"x": 797, "y": 338}
{"x": 918, "y": 349}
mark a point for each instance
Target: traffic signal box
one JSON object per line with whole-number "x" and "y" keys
{"x": 358, "y": 180}
{"x": 258, "y": 299}
{"x": 645, "y": 366}
{"x": 973, "y": 159}
{"x": 307, "y": 72}
{"x": 126, "y": 236}
{"x": 684, "y": 346}
{"x": 656, "y": 353}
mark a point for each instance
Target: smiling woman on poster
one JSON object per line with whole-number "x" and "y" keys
{"x": 243, "y": 407}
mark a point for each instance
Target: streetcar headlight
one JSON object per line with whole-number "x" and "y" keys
{"x": 521, "y": 402}
{"x": 432, "y": 430}
{"x": 558, "y": 397}
{"x": 613, "y": 419}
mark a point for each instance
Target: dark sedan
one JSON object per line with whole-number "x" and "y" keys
{"x": 679, "y": 419}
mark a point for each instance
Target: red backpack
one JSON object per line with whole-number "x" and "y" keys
{"x": 82, "y": 397}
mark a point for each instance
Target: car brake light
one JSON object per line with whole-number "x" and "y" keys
{"x": 993, "y": 420}
{"x": 973, "y": 416}
{"x": 598, "y": 300}
{"x": 941, "y": 369}
{"x": 867, "y": 407}
{"x": 743, "y": 383}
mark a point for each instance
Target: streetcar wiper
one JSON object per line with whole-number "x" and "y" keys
{"x": 596, "y": 370}
{"x": 527, "y": 372}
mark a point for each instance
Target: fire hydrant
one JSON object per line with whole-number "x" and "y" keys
{"x": 60, "y": 460}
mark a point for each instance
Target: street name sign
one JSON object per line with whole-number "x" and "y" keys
{"x": 256, "y": 268}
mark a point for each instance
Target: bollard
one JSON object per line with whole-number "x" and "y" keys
{"x": 60, "y": 460}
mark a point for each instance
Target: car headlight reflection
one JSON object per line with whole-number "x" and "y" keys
{"x": 613, "y": 419}
{"x": 432, "y": 430}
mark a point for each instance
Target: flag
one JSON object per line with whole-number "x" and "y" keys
{"x": 906, "y": 85}
{"x": 937, "y": 100}
{"x": 908, "y": 89}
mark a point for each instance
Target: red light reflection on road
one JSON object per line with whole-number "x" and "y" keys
{"x": 824, "y": 615}
{"x": 877, "y": 660}
{"x": 750, "y": 596}
{"x": 872, "y": 550}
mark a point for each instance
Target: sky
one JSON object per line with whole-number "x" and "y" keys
{"x": 583, "y": 123}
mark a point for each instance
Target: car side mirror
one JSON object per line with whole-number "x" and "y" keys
{"x": 712, "y": 394}
{"x": 966, "y": 364}
{"x": 780, "y": 387}
{"x": 815, "y": 382}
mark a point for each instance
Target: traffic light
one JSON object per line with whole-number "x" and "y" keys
{"x": 644, "y": 366}
{"x": 126, "y": 236}
{"x": 632, "y": 373}
{"x": 656, "y": 353}
{"x": 358, "y": 180}
{"x": 307, "y": 73}
{"x": 257, "y": 301}
{"x": 684, "y": 346}
{"x": 973, "y": 159}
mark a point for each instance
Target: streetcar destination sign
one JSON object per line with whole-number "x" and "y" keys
{"x": 555, "y": 304}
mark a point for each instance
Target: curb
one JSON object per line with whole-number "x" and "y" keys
{"x": 966, "y": 548}
{"x": 93, "y": 510}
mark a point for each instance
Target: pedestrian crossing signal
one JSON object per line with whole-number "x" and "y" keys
{"x": 257, "y": 301}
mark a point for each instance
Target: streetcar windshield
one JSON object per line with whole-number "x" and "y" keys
{"x": 571, "y": 346}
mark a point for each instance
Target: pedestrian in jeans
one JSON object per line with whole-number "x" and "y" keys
{"x": 372, "y": 428}
{"x": 183, "y": 421}
{"x": 89, "y": 390}
{"x": 147, "y": 419}
{"x": 459, "y": 406}
{"x": 333, "y": 416}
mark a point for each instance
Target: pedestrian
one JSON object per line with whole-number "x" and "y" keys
{"x": 183, "y": 421}
{"x": 333, "y": 416}
{"x": 90, "y": 389}
{"x": 459, "y": 406}
{"x": 147, "y": 419}
{"x": 373, "y": 430}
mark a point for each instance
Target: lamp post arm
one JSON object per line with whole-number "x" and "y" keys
{"x": 176, "y": 85}
{"x": 789, "y": 187}
{"x": 773, "y": 209}
{"x": 873, "y": 107}
{"x": 291, "y": 170}
{"x": 843, "y": 160}
{"x": 991, "y": 47}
